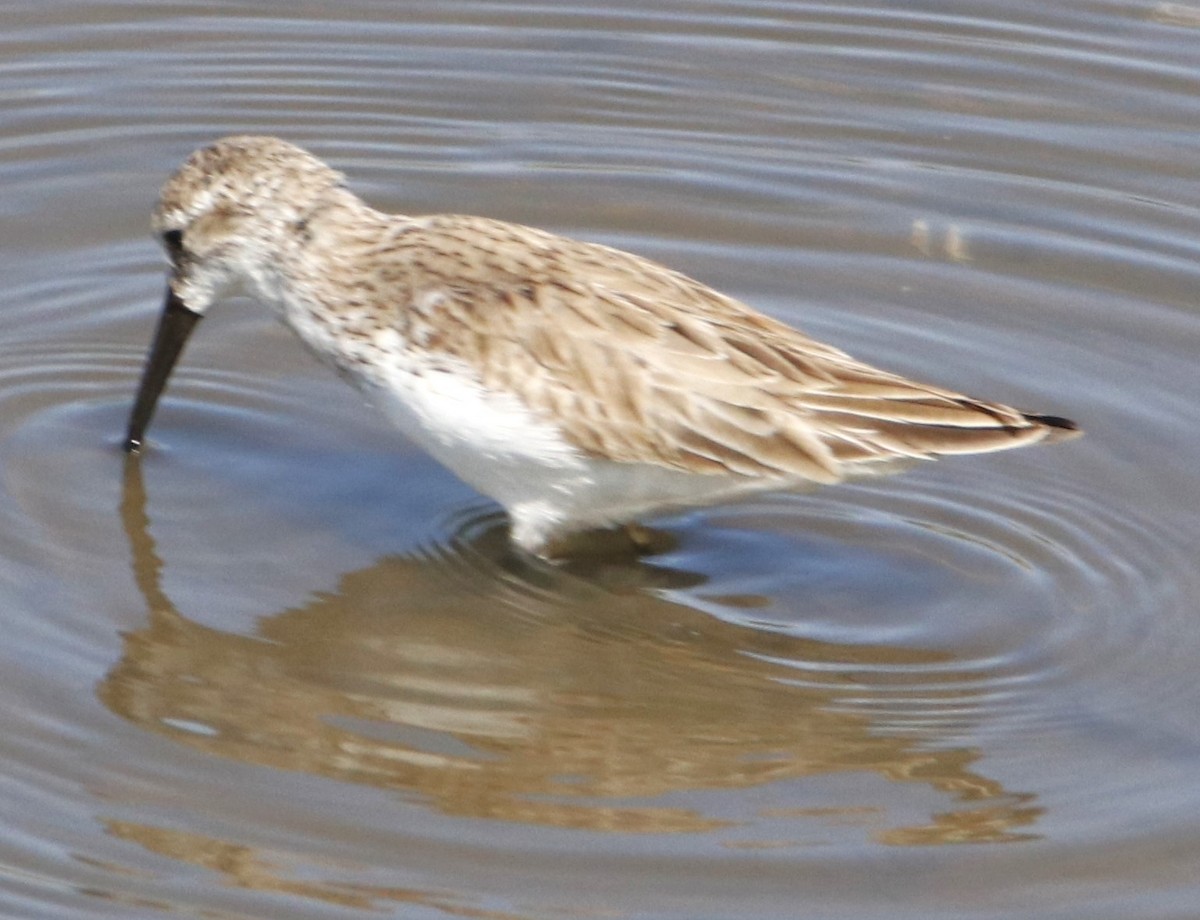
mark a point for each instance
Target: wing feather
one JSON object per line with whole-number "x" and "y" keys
{"x": 638, "y": 363}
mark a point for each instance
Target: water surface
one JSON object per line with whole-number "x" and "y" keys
{"x": 285, "y": 665}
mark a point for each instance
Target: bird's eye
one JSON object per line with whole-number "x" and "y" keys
{"x": 173, "y": 241}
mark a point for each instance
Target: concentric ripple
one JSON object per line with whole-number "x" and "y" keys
{"x": 1028, "y": 589}
{"x": 283, "y": 664}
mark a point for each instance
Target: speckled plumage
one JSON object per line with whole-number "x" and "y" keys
{"x": 577, "y": 384}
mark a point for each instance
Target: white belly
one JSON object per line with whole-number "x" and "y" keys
{"x": 494, "y": 443}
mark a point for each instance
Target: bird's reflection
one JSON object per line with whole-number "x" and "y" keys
{"x": 497, "y": 687}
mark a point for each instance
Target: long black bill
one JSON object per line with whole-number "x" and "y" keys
{"x": 174, "y": 326}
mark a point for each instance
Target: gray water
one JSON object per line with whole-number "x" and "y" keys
{"x": 287, "y": 666}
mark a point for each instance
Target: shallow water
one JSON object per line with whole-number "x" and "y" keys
{"x": 285, "y": 665}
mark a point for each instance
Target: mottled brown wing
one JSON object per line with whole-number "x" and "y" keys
{"x": 639, "y": 363}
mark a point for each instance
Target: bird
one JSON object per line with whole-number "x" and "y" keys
{"x": 580, "y": 386}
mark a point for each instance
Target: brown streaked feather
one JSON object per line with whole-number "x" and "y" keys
{"x": 638, "y": 363}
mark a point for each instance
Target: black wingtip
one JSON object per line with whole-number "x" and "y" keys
{"x": 1064, "y": 427}
{"x": 1054, "y": 421}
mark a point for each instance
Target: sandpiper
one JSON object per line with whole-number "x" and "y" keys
{"x": 580, "y": 386}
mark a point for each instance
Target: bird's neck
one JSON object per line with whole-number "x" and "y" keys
{"x": 324, "y": 291}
